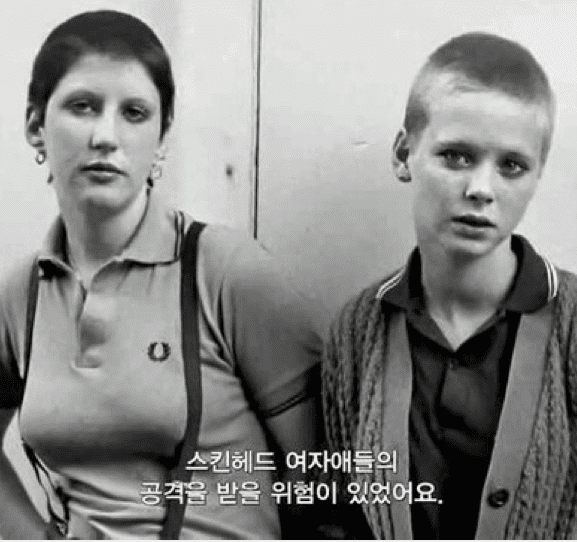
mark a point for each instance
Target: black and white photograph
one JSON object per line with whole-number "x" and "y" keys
{"x": 288, "y": 269}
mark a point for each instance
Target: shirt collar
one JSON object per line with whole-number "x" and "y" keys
{"x": 535, "y": 282}
{"x": 156, "y": 240}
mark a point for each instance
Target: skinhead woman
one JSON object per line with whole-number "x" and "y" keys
{"x": 462, "y": 365}
{"x": 106, "y": 403}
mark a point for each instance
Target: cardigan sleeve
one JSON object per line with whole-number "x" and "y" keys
{"x": 338, "y": 356}
{"x": 342, "y": 368}
{"x": 566, "y": 323}
{"x": 330, "y": 374}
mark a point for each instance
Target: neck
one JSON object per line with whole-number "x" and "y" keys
{"x": 454, "y": 285}
{"x": 94, "y": 237}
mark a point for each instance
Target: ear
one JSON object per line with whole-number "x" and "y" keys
{"x": 34, "y": 128}
{"x": 401, "y": 156}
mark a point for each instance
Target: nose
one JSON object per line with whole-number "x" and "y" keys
{"x": 480, "y": 184}
{"x": 105, "y": 132}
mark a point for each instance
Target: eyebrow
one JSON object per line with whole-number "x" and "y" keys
{"x": 457, "y": 144}
{"x": 81, "y": 92}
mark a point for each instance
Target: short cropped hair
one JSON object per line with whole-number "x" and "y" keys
{"x": 481, "y": 61}
{"x": 112, "y": 33}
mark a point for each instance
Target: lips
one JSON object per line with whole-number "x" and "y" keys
{"x": 475, "y": 221}
{"x": 102, "y": 167}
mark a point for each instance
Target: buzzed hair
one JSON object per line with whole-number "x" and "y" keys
{"x": 482, "y": 61}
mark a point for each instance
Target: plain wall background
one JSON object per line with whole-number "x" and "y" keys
{"x": 334, "y": 79}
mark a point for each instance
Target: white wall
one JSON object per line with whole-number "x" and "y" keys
{"x": 335, "y": 78}
{"x": 214, "y": 127}
{"x": 211, "y": 46}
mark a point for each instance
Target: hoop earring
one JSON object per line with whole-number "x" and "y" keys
{"x": 40, "y": 156}
{"x": 405, "y": 176}
{"x": 156, "y": 171}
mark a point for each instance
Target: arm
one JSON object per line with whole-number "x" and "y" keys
{"x": 270, "y": 334}
{"x": 298, "y": 429}
{"x": 293, "y": 431}
{"x": 19, "y": 519}
{"x": 271, "y": 329}
{"x": 339, "y": 389}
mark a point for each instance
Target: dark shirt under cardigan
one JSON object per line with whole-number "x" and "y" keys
{"x": 458, "y": 394}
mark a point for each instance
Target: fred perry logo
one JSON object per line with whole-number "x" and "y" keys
{"x": 158, "y": 351}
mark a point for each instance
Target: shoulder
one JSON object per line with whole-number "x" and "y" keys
{"x": 263, "y": 314}
{"x": 14, "y": 282}
{"x": 566, "y": 295}
{"x": 230, "y": 260}
{"x": 567, "y": 285}
{"x": 564, "y": 337}
{"x": 358, "y": 330}
{"x": 565, "y": 313}
{"x": 356, "y": 335}
{"x": 362, "y": 309}
{"x": 219, "y": 249}
{"x": 226, "y": 249}
{"x": 237, "y": 274}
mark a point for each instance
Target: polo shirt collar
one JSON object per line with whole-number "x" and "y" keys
{"x": 156, "y": 239}
{"x": 535, "y": 282}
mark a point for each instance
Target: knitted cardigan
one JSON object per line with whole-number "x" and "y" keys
{"x": 544, "y": 503}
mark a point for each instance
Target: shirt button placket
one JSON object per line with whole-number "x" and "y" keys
{"x": 95, "y": 328}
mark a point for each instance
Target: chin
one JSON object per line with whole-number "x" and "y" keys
{"x": 104, "y": 204}
{"x": 470, "y": 248}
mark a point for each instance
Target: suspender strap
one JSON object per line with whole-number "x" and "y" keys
{"x": 191, "y": 357}
{"x": 174, "y": 515}
{"x": 60, "y": 521}
{"x": 30, "y": 315}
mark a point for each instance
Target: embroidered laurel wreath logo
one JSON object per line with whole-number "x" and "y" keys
{"x": 158, "y": 351}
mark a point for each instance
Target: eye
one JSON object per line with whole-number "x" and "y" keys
{"x": 135, "y": 113}
{"x": 82, "y": 106}
{"x": 512, "y": 168}
{"x": 456, "y": 159}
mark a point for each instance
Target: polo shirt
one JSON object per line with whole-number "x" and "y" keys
{"x": 458, "y": 393}
{"x": 105, "y": 401}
